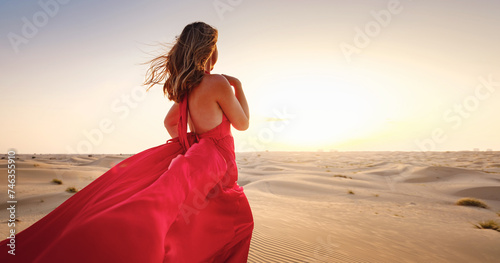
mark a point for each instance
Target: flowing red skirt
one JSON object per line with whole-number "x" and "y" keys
{"x": 160, "y": 205}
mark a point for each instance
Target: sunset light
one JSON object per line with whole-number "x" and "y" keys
{"x": 371, "y": 76}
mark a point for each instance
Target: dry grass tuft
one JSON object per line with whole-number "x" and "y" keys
{"x": 490, "y": 224}
{"x": 57, "y": 181}
{"x": 71, "y": 190}
{"x": 342, "y": 176}
{"x": 471, "y": 202}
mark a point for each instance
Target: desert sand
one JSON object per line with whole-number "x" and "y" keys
{"x": 324, "y": 206}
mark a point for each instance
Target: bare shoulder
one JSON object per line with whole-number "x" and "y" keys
{"x": 211, "y": 88}
{"x": 217, "y": 80}
{"x": 216, "y": 86}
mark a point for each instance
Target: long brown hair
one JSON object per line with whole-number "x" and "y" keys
{"x": 182, "y": 67}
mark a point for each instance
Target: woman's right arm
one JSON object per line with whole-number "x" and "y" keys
{"x": 238, "y": 92}
{"x": 233, "y": 104}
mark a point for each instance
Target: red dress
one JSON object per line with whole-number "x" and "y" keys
{"x": 177, "y": 202}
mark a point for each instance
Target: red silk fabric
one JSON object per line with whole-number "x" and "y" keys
{"x": 176, "y": 202}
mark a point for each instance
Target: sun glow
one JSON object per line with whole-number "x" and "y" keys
{"x": 324, "y": 110}
{"x": 405, "y": 85}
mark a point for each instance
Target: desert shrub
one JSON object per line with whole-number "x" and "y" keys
{"x": 71, "y": 190}
{"x": 342, "y": 176}
{"x": 57, "y": 181}
{"x": 490, "y": 224}
{"x": 471, "y": 202}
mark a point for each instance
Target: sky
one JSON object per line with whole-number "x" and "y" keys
{"x": 358, "y": 75}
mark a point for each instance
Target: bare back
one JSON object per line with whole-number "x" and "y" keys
{"x": 204, "y": 110}
{"x": 213, "y": 98}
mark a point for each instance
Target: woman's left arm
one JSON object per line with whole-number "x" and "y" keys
{"x": 172, "y": 120}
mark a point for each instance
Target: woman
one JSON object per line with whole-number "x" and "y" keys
{"x": 177, "y": 202}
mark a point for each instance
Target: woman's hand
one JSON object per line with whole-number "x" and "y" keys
{"x": 232, "y": 81}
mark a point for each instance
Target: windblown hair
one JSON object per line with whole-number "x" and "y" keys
{"x": 183, "y": 67}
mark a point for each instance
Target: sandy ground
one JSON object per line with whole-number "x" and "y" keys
{"x": 325, "y": 206}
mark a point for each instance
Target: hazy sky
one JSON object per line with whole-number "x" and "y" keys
{"x": 319, "y": 75}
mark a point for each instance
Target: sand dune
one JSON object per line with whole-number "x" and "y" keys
{"x": 105, "y": 162}
{"x": 371, "y": 207}
{"x": 329, "y": 206}
{"x": 485, "y": 192}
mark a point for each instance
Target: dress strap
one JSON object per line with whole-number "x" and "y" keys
{"x": 182, "y": 125}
